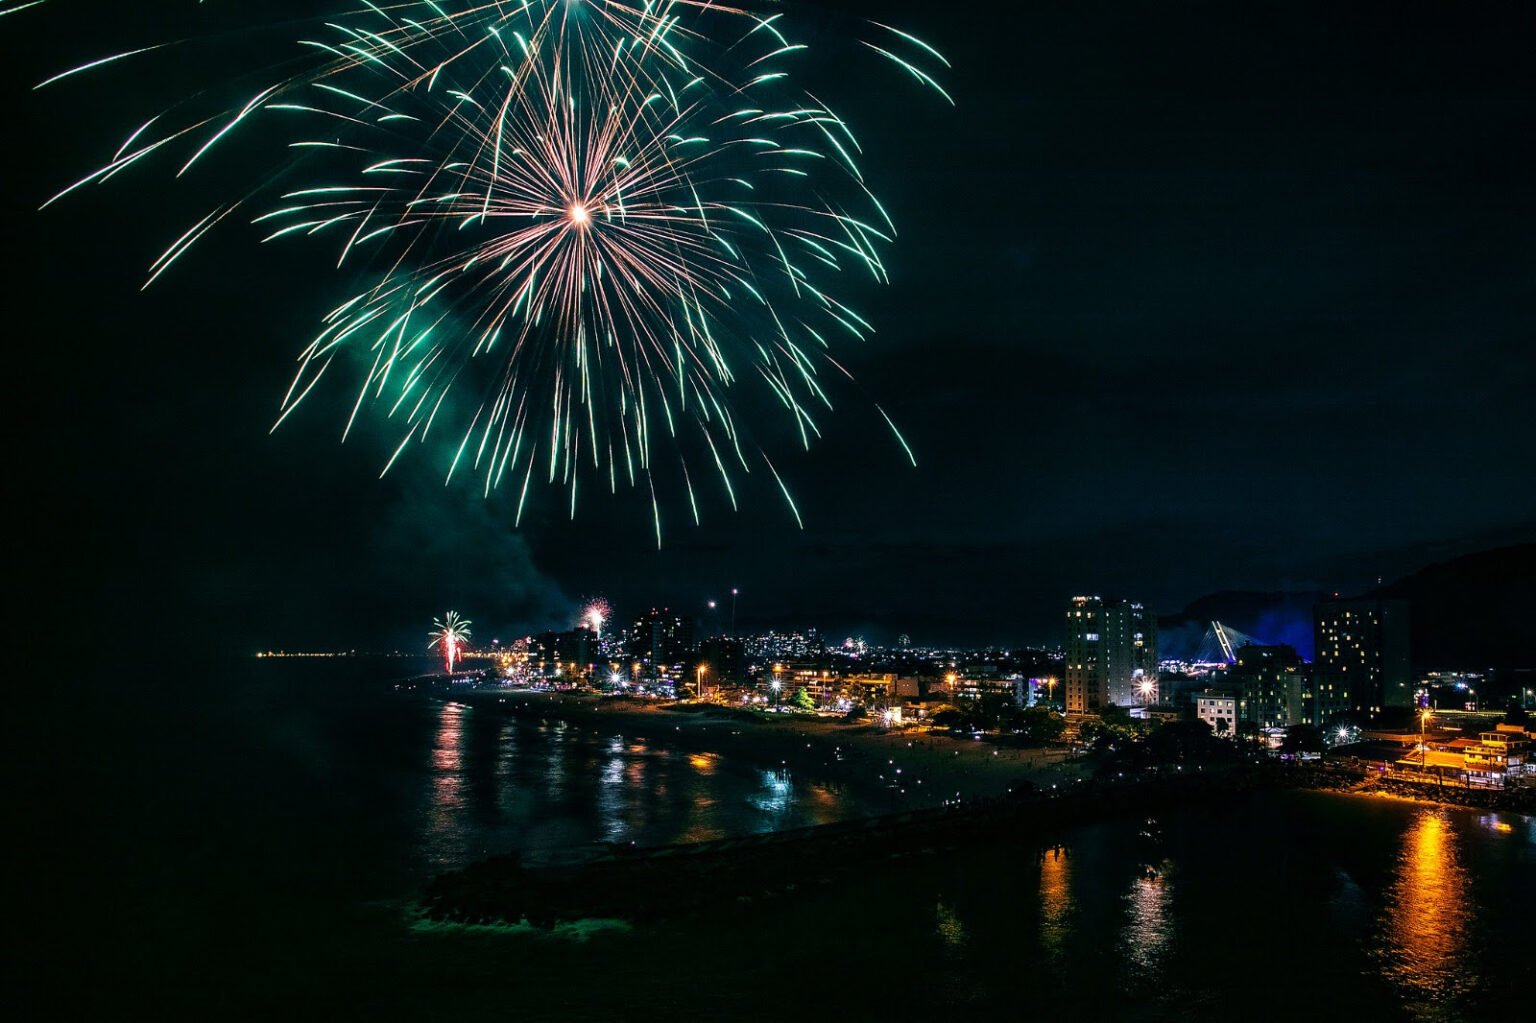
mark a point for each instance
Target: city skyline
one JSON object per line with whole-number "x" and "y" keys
{"x": 1140, "y": 377}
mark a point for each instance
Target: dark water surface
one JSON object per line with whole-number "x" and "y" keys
{"x": 244, "y": 841}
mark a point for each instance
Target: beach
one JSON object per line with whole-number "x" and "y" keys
{"x": 888, "y": 769}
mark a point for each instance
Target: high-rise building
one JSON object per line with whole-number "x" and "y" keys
{"x": 1362, "y": 655}
{"x": 1111, "y": 648}
{"x": 1272, "y": 686}
{"x": 661, "y": 638}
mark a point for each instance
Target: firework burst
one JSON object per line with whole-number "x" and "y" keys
{"x": 584, "y": 223}
{"x": 449, "y": 634}
{"x": 595, "y": 614}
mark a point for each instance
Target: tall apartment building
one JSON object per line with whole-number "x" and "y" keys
{"x": 1111, "y": 647}
{"x": 661, "y": 638}
{"x": 1362, "y": 655}
{"x": 1272, "y": 686}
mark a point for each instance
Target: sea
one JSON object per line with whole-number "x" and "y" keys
{"x": 246, "y": 839}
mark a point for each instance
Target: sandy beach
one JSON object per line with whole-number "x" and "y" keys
{"x": 888, "y": 769}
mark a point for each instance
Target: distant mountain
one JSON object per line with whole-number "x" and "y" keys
{"x": 1478, "y": 610}
{"x": 1473, "y": 611}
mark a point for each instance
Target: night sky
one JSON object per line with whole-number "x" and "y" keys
{"x": 1187, "y": 298}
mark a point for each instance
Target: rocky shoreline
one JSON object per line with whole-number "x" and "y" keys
{"x": 648, "y": 884}
{"x": 1327, "y": 779}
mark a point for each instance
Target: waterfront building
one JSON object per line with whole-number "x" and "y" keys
{"x": 568, "y": 655}
{"x": 1499, "y": 757}
{"x": 1219, "y": 710}
{"x": 1272, "y": 685}
{"x": 1111, "y": 646}
{"x": 1362, "y": 653}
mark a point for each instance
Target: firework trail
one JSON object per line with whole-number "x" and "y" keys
{"x": 583, "y": 224}
{"x": 449, "y": 634}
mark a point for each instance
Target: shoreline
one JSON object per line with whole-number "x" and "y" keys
{"x": 895, "y": 821}
{"x": 1343, "y": 783}
{"x": 887, "y": 771}
{"x": 650, "y": 883}
{"x": 894, "y": 771}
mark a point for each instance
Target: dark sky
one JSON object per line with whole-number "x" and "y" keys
{"x": 1188, "y": 297}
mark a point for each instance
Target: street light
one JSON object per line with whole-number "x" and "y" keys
{"x": 699, "y": 681}
{"x": 1423, "y": 748}
{"x": 775, "y": 685}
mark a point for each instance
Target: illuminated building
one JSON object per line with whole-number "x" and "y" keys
{"x": 1219, "y": 710}
{"x": 568, "y": 655}
{"x": 1272, "y": 686}
{"x": 1495, "y": 759}
{"x": 1362, "y": 656}
{"x": 785, "y": 646}
{"x": 661, "y": 638}
{"x": 874, "y": 690}
{"x": 1111, "y": 645}
{"x": 1498, "y": 757}
{"x": 1327, "y": 696}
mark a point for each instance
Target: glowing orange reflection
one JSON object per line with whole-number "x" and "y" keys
{"x": 1427, "y": 917}
{"x": 1055, "y": 899}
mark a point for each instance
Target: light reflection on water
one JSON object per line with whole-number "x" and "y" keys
{"x": 446, "y": 803}
{"x": 1055, "y": 899}
{"x": 1148, "y": 932}
{"x": 1412, "y": 930}
{"x": 508, "y": 764}
{"x": 610, "y": 789}
{"x": 1427, "y": 920}
{"x": 555, "y": 784}
{"x": 951, "y": 931}
{"x": 776, "y": 795}
{"x": 554, "y": 763}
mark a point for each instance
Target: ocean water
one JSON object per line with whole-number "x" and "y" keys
{"x": 245, "y": 839}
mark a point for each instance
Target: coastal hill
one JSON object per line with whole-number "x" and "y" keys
{"x": 1478, "y": 610}
{"x": 1472, "y": 611}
